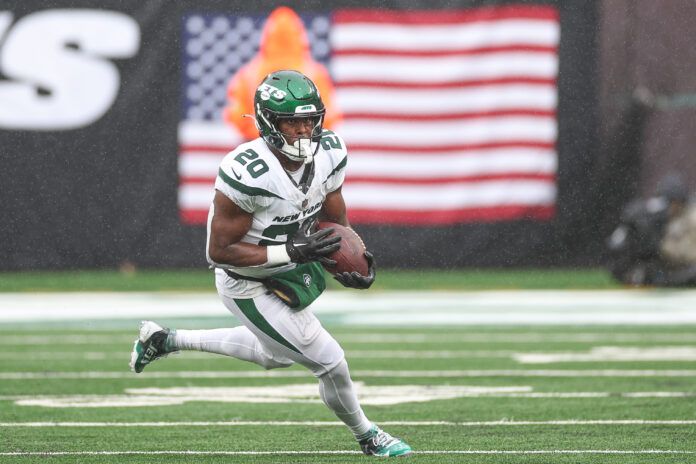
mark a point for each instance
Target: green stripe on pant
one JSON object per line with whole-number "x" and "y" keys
{"x": 252, "y": 313}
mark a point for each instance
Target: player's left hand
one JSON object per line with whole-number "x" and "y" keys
{"x": 355, "y": 280}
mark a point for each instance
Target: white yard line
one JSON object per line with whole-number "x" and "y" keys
{"x": 596, "y": 354}
{"x": 503, "y": 423}
{"x": 386, "y": 338}
{"x": 133, "y": 400}
{"x": 352, "y": 354}
{"x": 427, "y": 354}
{"x": 54, "y": 340}
{"x": 611, "y": 354}
{"x": 337, "y": 452}
{"x": 280, "y": 374}
{"x": 26, "y": 356}
{"x": 538, "y": 307}
{"x": 529, "y": 336}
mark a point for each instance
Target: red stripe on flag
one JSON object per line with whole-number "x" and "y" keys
{"x": 441, "y": 17}
{"x": 204, "y": 149}
{"x": 452, "y": 116}
{"x": 386, "y": 155}
{"x": 439, "y": 53}
{"x": 448, "y": 217}
{"x": 188, "y": 149}
{"x": 193, "y": 216}
{"x": 451, "y": 148}
{"x": 511, "y": 80}
{"x": 551, "y": 178}
{"x": 198, "y": 180}
{"x": 210, "y": 181}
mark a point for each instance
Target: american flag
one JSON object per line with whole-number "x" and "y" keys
{"x": 449, "y": 115}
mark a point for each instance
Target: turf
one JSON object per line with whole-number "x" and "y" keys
{"x": 388, "y": 279}
{"x": 41, "y": 350}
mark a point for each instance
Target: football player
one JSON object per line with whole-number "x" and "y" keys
{"x": 269, "y": 192}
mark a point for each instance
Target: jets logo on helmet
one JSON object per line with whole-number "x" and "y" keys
{"x": 289, "y": 94}
{"x": 305, "y": 109}
{"x": 268, "y": 91}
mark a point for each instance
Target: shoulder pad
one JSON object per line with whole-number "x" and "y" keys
{"x": 247, "y": 170}
{"x": 333, "y": 144}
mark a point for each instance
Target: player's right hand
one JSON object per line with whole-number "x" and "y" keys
{"x": 305, "y": 246}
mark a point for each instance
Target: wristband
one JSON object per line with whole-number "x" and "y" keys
{"x": 276, "y": 254}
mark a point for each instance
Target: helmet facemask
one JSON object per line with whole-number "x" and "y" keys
{"x": 301, "y": 150}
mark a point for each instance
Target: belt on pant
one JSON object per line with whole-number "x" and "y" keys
{"x": 236, "y": 276}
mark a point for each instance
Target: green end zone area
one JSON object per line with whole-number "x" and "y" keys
{"x": 388, "y": 279}
{"x": 561, "y": 394}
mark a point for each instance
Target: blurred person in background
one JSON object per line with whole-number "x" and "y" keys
{"x": 655, "y": 242}
{"x": 269, "y": 193}
{"x": 679, "y": 243}
{"x": 284, "y": 45}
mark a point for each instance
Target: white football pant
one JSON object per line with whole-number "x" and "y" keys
{"x": 276, "y": 336}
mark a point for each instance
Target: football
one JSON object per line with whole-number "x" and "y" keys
{"x": 351, "y": 256}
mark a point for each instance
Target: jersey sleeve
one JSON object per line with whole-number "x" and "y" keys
{"x": 336, "y": 148}
{"x": 230, "y": 182}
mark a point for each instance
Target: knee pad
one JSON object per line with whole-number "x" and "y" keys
{"x": 330, "y": 356}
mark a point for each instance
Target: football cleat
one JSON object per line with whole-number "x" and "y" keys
{"x": 380, "y": 443}
{"x": 150, "y": 345}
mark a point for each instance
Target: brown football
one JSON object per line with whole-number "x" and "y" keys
{"x": 351, "y": 256}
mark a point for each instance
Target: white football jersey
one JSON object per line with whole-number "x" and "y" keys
{"x": 253, "y": 178}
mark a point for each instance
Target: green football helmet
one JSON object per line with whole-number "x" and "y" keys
{"x": 289, "y": 94}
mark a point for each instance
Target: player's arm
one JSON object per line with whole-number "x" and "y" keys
{"x": 334, "y": 210}
{"x": 229, "y": 225}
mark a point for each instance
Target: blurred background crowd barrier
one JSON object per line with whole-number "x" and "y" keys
{"x": 493, "y": 133}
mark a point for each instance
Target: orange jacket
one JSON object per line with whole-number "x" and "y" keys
{"x": 284, "y": 45}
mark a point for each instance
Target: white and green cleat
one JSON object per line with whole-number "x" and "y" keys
{"x": 150, "y": 345}
{"x": 380, "y": 443}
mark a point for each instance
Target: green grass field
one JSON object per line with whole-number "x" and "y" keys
{"x": 485, "y": 394}
{"x": 388, "y": 279}
{"x": 573, "y": 410}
